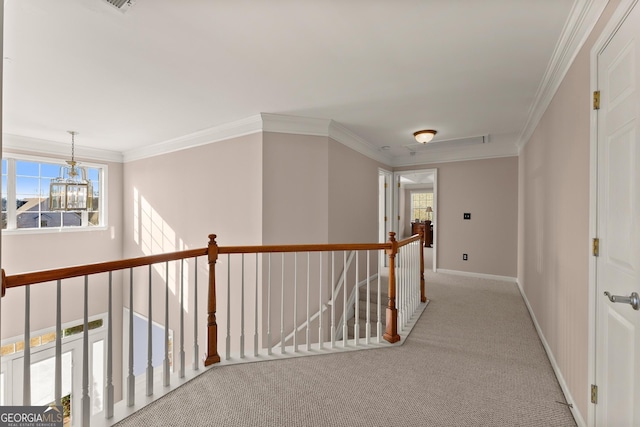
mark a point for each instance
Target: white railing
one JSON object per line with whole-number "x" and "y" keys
{"x": 277, "y": 301}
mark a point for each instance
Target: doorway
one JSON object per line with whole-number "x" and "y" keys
{"x": 415, "y": 181}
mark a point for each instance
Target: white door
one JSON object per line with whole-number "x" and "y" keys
{"x": 618, "y": 224}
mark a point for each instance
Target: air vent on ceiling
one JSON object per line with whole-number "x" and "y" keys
{"x": 451, "y": 143}
{"x": 123, "y": 5}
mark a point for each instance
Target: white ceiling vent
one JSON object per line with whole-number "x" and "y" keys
{"x": 451, "y": 143}
{"x": 123, "y": 5}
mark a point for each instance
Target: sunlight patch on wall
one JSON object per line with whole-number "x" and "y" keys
{"x": 155, "y": 236}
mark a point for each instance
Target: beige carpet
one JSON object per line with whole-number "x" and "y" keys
{"x": 473, "y": 359}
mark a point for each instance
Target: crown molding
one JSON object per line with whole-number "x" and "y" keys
{"x": 448, "y": 155}
{"x": 344, "y": 136}
{"x": 299, "y": 125}
{"x": 321, "y": 127}
{"x": 27, "y": 144}
{"x": 583, "y": 17}
{"x": 230, "y": 130}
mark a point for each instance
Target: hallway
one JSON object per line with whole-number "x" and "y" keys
{"x": 473, "y": 359}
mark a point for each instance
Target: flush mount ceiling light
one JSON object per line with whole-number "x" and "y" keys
{"x": 424, "y": 136}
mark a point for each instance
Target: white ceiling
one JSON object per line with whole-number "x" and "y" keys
{"x": 380, "y": 69}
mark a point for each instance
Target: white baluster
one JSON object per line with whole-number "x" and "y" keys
{"x": 368, "y": 327}
{"x": 269, "y": 350}
{"x": 196, "y": 348}
{"x": 379, "y": 304}
{"x": 242, "y": 311}
{"x": 58, "y": 362}
{"x": 308, "y": 337}
{"x": 108, "y": 407}
{"x": 320, "y": 337}
{"x": 295, "y": 302}
{"x": 165, "y": 367}
{"x": 344, "y": 300}
{"x": 26, "y": 376}
{"x": 356, "y": 314}
{"x": 333, "y": 299}
{"x": 282, "y": 337}
{"x": 182, "y": 304}
{"x": 150, "y": 339}
{"x": 131, "y": 379}
{"x": 255, "y": 316}
{"x": 228, "y": 341}
{"x": 86, "y": 401}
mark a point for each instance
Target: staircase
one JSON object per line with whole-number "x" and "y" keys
{"x": 373, "y": 310}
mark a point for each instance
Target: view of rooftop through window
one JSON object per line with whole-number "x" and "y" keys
{"x": 25, "y": 196}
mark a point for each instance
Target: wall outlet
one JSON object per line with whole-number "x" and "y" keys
{"x": 467, "y": 215}
{"x": 465, "y": 257}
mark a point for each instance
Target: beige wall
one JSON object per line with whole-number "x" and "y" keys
{"x": 553, "y": 233}
{"x": 295, "y": 189}
{"x": 488, "y": 189}
{"x": 353, "y": 196}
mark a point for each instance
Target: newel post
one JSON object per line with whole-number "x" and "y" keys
{"x": 212, "y": 327}
{"x": 391, "y": 332}
{"x": 423, "y": 295}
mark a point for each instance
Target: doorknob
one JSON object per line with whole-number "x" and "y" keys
{"x": 634, "y": 299}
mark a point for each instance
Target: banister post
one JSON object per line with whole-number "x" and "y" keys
{"x": 391, "y": 332}
{"x": 212, "y": 327}
{"x": 423, "y": 295}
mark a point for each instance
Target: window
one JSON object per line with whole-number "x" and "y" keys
{"x": 419, "y": 204}
{"x": 25, "y": 195}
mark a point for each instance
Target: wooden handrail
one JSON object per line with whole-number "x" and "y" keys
{"x": 303, "y": 248}
{"x": 408, "y": 240}
{"x": 212, "y": 251}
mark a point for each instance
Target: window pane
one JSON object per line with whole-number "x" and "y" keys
{"x": 27, "y": 168}
{"x": 71, "y": 219}
{"x": 94, "y": 218}
{"x": 27, "y": 187}
{"x": 97, "y": 371}
{"x": 43, "y": 379}
{"x": 49, "y": 170}
{"x": 28, "y": 220}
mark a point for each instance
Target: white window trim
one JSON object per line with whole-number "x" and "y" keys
{"x": 11, "y": 185}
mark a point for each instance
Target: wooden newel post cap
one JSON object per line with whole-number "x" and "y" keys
{"x": 394, "y": 244}
{"x": 212, "y": 238}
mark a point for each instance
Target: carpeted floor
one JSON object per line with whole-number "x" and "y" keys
{"x": 473, "y": 359}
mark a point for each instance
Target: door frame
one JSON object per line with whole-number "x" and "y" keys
{"x": 385, "y": 211}
{"x": 618, "y": 17}
{"x": 396, "y": 206}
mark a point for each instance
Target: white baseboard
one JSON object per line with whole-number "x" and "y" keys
{"x": 556, "y": 369}
{"x": 478, "y": 275}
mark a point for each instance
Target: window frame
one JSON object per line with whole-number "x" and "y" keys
{"x": 11, "y": 158}
{"x": 420, "y": 191}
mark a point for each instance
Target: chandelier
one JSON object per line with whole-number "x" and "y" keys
{"x": 71, "y": 191}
